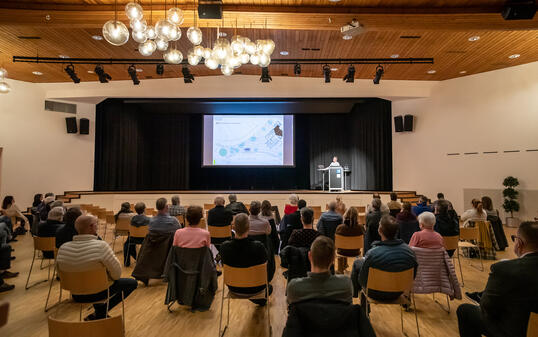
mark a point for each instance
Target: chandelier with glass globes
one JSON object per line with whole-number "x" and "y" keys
{"x": 228, "y": 55}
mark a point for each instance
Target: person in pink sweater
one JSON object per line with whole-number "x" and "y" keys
{"x": 192, "y": 236}
{"x": 427, "y": 237}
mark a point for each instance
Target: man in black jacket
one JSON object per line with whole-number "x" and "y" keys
{"x": 235, "y": 206}
{"x": 219, "y": 216}
{"x": 511, "y": 292}
{"x": 290, "y": 222}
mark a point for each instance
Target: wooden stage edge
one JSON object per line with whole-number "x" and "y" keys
{"x": 236, "y": 192}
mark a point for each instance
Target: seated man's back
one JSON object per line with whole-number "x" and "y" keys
{"x": 163, "y": 223}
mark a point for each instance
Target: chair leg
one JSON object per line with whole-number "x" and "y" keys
{"x": 123, "y": 311}
{"x": 480, "y": 256}
{"x": 221, "y": 333}
{"x": 114, "y": 243}
{"x": 401, "y": 320}
{"x": 50, "y": 288}
{"x": 30, "y": 272}
{"x": 416, "y": 315}
{"x": 461, "y": 272}
{"x": 448, "y": 303}
{"x": 104, "y": 234}
{"x": 80, "y": 313}
{"x": 268, "y": 312}
{"x": 41, "y": 264}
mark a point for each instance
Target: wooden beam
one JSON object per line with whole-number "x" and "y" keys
{"x": 308, "y": 18}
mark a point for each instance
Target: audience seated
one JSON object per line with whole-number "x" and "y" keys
{"x": 192, "y": 236}
{"x": 235, "y": 206}
{"x": 219, "y": 216}
{"x": 350, "y": 227}
{"x": 138, "y": 220}
{"x": 445, "y": 224}
{"x": 292, "y": 207}
{"x": 476, "y": 213}
{"x": 258, "y": 225}
{"x": 48, "y": 228}
{"x": 5, "y": 264}
{"x": 10, "y": 209}
{"x": 44, "y": 208}
{"x": 67, "y": 231}
{"x": 267, "y": 213}
{"x": 163, "y": 223}
{"x": 393, "y": 205}
{"x": 384, "y": 209}
{"x": 389, "y": 254}
{"x": 320, "y": 283}
{"x": 422, "y": 206}
{"x": 441, "y": 197}
{"x": 427, "y": 237}
{"x": 328, "y": 221}
{"x": 176, "y": 209}
{"x": 408, "y": 223}
{"x": 510, "y": 294}
{"x": 304, "y": 237}
{"x": 86, "y": 252}
{"x": 243, "y": 252}
{"x": 496, "y": 223}
{"x": 124, "y": 212}
{"x": 289, "y": 223}
{"x": 372, "y": 224}
{"x": 340, "y": 206}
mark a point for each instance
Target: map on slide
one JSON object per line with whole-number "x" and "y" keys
{"x": 248, "y": 140}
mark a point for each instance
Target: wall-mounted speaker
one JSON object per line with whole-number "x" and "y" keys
{"x": 210, "y": 9}
{"x": 84, "y": 126}
{"x": 408, "y": 123}
{"x": 398, "y": 123}
{"x": 519, "y": 10}
{"x": 71, "y": 124}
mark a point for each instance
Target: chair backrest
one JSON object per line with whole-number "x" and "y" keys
{"x": 138, "y": 232}
{"x": 470, "y": 233}
{"x": 532, "y": 328}
{"x": 362, "y": 219}
{"x": 46, "y": 244}
{"x": 254, "y": 276}
{"x": 361, "y": 209}
{"x": 110, "y": 219}
{"x": 390, "y": 281}
{"x": 123, "y": 223}
{"x": 220, "y": 232}
{"x": 84, "y": 282}
{"x": 110, "y": 327}
{"x": 202, "y": 224}
{"x": 207, "y": 207}
{"x": 317, "y": 211}
{"x": 181, "y": 219}
{"x": 348, "y": 242}
{"x": 451, "y": 242}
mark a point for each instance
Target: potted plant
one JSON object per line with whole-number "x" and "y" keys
{"x": 511, "y": 204}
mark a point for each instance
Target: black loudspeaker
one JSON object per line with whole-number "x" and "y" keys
{"x": 84, "y": 126}
{"x": 408, "y": 123}
{"x": 71, "y": 123}
{"x": 210, "y": 9}
{"x": 398, "y": 123}
{"x": 519, "y": 10}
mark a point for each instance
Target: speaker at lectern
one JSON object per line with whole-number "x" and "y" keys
{"x": 336, "y": 178}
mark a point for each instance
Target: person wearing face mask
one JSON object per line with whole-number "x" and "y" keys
{"x": 511, "y": 292}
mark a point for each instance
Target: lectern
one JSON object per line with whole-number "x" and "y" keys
{"x": 336, "y": 178}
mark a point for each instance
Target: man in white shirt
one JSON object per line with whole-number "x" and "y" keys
{"x": 335, "y": 162}
{"x": 86, "y": 252}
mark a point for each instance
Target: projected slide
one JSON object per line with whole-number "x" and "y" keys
{"x": 248, "y": 140}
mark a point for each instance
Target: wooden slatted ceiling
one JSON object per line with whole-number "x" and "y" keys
{"x": 451, "y": 50}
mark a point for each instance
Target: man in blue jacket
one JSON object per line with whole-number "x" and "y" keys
{"x": 389, "y": 254}
{"x": 422, "y": 206}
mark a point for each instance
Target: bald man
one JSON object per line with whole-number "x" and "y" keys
{"x": 85, "y": 253}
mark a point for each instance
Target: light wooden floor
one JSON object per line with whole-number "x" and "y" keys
{"x": 146, "y": 314}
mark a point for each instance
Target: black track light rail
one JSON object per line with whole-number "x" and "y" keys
{"x": 143, "y": 61}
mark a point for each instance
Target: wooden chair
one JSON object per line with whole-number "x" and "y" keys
{"x": 317, "y": 212}
{"x": 361, "y": 209}
{"x": 110, "y": 220}
{"x": 202, "y": 224}
{"x": 532, "y": 328}
{"x": 348, "y": 242}
{"x": 254, "y": 276}
{"x": 467, "y": 236}
{"x": 108, "y": 327}
{"x": 402, "y": 281}
{"x": 122, "y": 228}
{"x": 41, "y": 244}
{"x": 452, "y": 243}
{"x": 220, "y": 232}
{"x": 362, "y": 219}
{"x": 181, "y": 219}
{"x": 137, "y": 232}
{"x": 207, "y": 207}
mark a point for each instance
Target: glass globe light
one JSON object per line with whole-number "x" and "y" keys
{"x": 4, "y": 88}
{"x": 194, "y": 34}
{"x": 174, "y": 34}
{"x": 222, "y": 50}
{"x": 207, "y": 53}
{"x": 134, "y": 11}
{"x": 151, "y": 33}
{"x": 192, "y": 58}
{"x": 250, "y": 47}
{"x": 147, "y": 48}
{"x": 244, "y": 40}
{"x": 3, "y": 73}
{"x": 255, "y": 59}
{"x": 226, "y": 70}
{"x": 264, "y": 60}
{"x": 173, "y": 56}
{"x": 163, "y": 28}
{"x": 139, "y": 25}
{"x": 175, "y": 16}
{"x": 237, "y": 45}
{"x": 234, "y": 61}
{"x": 268, "y": 47}
{"x": 211, "y": 63}
{"x": 139, "y": 37}
{"x": 199, "y": 51}
{"x": 162, "y": 44}
{"x": 115, "y": 32}
{"x": 244, "y": 58}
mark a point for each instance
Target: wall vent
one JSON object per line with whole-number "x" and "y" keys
{"x": 60, "y": 107}
{"x": 29, "y": 37}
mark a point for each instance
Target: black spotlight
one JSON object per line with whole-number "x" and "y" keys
{"x": 350, "y": 76}
{"x": 70, "y": 70}
{"x": 379, "y": 71}
{"x": 132, "y": 72}
{"x": 187, "y": 76}
{"x": 160, "y": 69}
{"x": 297, "y": 69}
{"x": 327, "y": 73}
{"x": 100, "y": 71}
{"x": 265, "y": 78}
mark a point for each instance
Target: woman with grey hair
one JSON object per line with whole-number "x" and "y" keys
{"x": 292, "y": 206}
{"x": 48, "y": 228}
{"x": 427, "y": 237}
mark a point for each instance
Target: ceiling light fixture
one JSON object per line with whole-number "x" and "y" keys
{"x": 187, "y": 76}
{"x": 100, "y": 71}
{"x": 134, "y": 76}
{"x": 70, "y": 70}
{"x": 37, "y": 73}
{"x": 350, "y": 76}
{"x": 327, "y": 73}
{"x": 284, "y": 53}
{"x": 379, "y": 71}
{"x": 114, "y": 31}
{"x": 463, "y": 72}
{"x": 97, "y": 37}
{"x": 3, "y": 73}
{"x": 514, "y": 56}
{"x": 431, "y": 72}
{"x": 297, "y": 69}
{"x": 474, "y": 38}
{"x": 63, "y": 56}
{"x": 265, "y": 78}
{"x": 4, "y": 87}
{"x": 394, "y": 56}
{"x": 90, "y": 72}
{"x": 347, "y": 37}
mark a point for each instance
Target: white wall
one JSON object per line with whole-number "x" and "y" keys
{"x": 494, "y": 111}
{"x": 38, "y": 155}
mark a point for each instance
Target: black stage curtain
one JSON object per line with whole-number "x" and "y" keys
{"x": 158, "y": 146}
